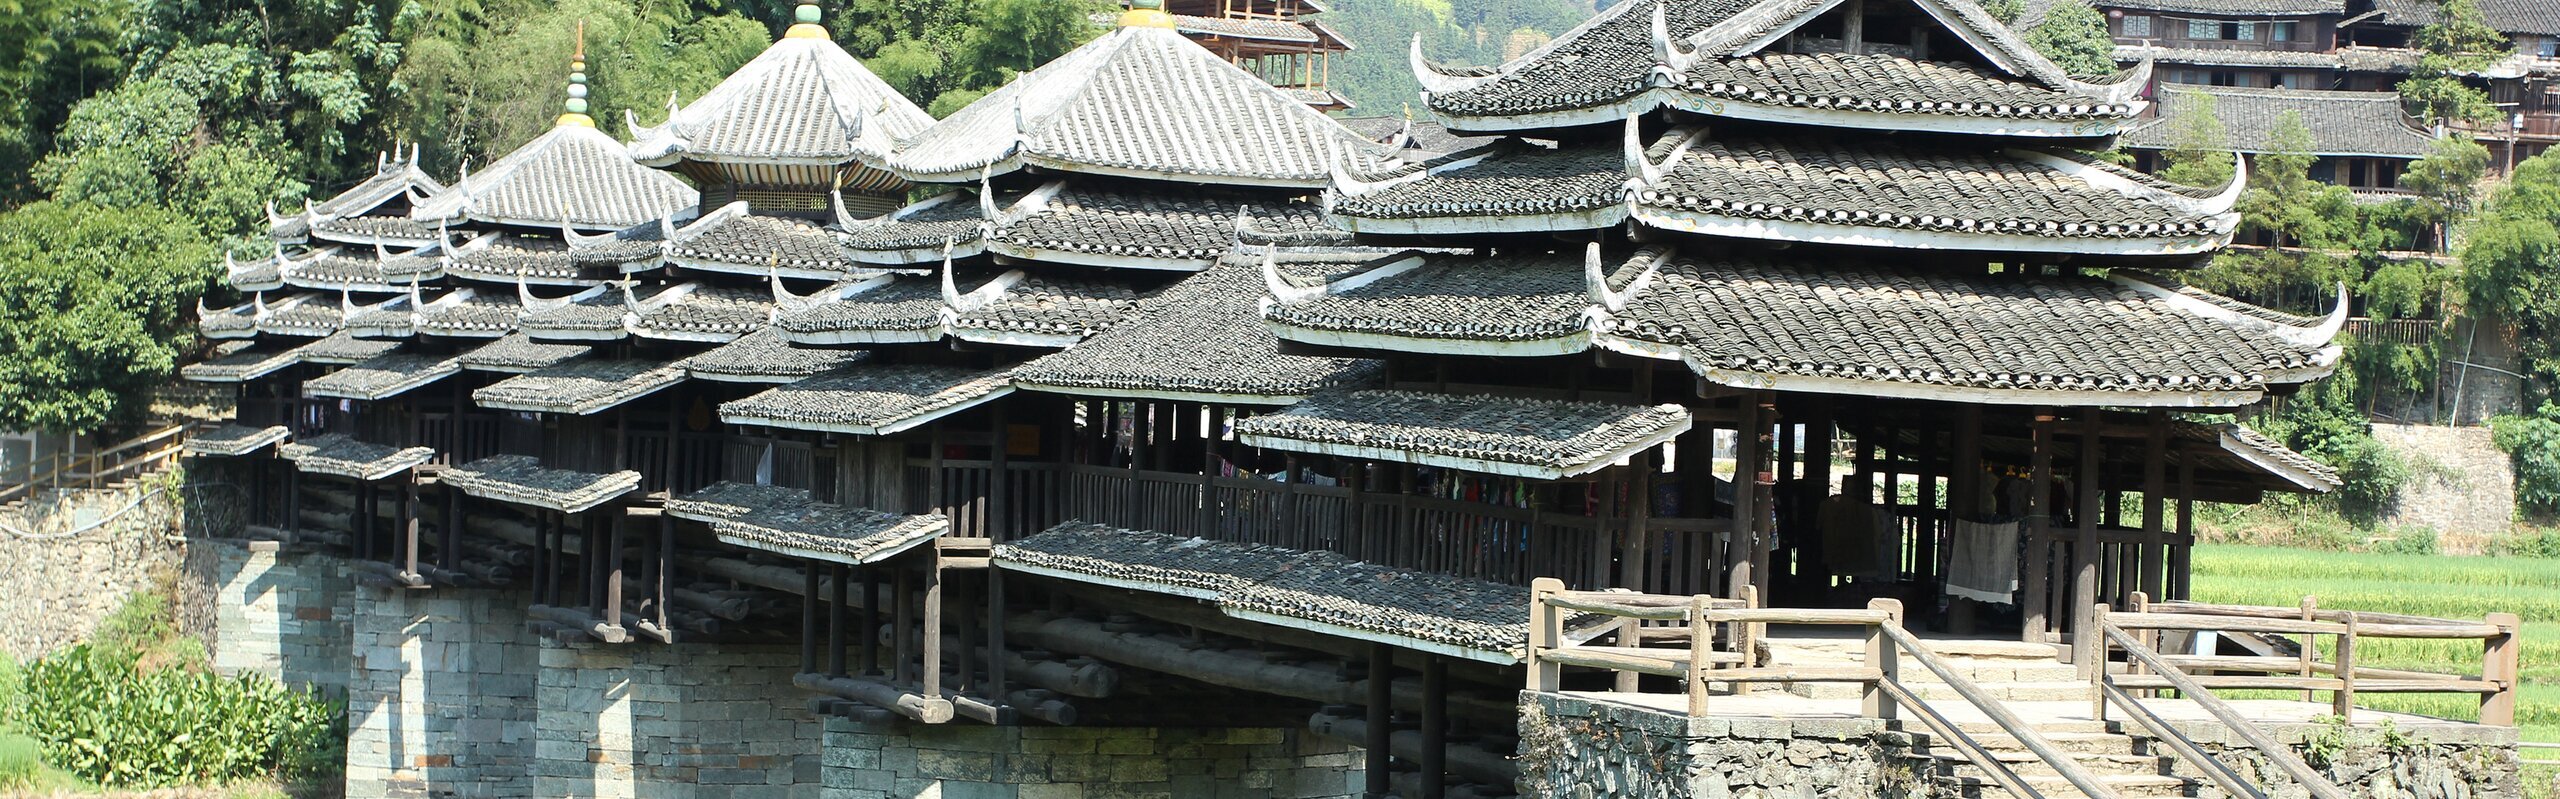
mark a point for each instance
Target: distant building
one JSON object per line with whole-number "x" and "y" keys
{"x": 2363, "y": 139}
{"x": 1273, "y": 39}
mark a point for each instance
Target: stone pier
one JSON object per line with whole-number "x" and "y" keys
{"x": 901, "y": 760}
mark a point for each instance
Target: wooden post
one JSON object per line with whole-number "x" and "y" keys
{"x": 1546, "y": 631}
{"x": 933, "y": 628}
{"x": 999, "y": 503}
{"x": 662, "y": 560}
{"x": 2084, "y": 555}
{"x": 613, "y": 567}
{"x": 1764, "y": 519}
{"x": 1435, "y": 727}
{"x": 1381, "y": 705}
{"x": 1634, "y": 571}
{"x": 1738, "y": 552}
{"x": 995, "y": 632}
{"x": 2343, "y": 700}
{"x": 1964, "y": 501}
{"x": 2096, "y": 635}
{"x": 409, "y": 524}
{"x": 1206, "y": 523}
{"x": 2038, "y": 592}
{"x": 2500, "y": 665}
{"x": 809, "y": 619}
{"x": 901, "y": 625}
{"x": 2155, "y": 486}
{"x": 448, "y": 553}
{"x": 1884, "y": 658}
{"x": 2182, "y": 564}
{"x": 2310, "y": 645}
{"x": 1748, "y": 634}
{"x": 869, "y": 640}
{"x": 1702, "y": 636}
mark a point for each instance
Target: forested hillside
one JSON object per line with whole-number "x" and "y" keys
{"x": 1376, "y": 78}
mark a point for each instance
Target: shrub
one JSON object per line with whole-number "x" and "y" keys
{"x": 21, "y": 761}
{"x": 103, "y": 718}
{"x": 2533, "y": 442}
{"x": 2527, "y": 543}
{"x": 2410, "y": 541}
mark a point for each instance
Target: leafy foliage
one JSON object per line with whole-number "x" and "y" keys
{"x": 1376, "y": 78}
{"x": 2460, "y": 42}
{"x": 2534, "y": 443}
{"x": 94, "y": 310}
{"x": 2075, "y": 37}
{"x": 2283, "y": 199}
{"x": 2511, "y": 269}
{"x": 2322, "y": 422}
{"x": 2200, "y": 154}
{"x": 2447, "y": 181}
{"x": 944, "y": 53}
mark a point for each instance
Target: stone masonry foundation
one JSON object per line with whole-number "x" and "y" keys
{"x": 691, "y": 721}
{"x": 441, "y": 699}
{"x": 900, "y": 760}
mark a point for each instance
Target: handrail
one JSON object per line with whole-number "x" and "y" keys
{"x": 2281, "y": 755}
{"x": 91, "y": 467}
{"x": 2496, "y": 684}
{"x": 1696, "y": 665}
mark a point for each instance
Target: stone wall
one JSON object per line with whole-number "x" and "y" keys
{"x": 961, "y": 760}
{"x": 288, "y": 616}
{"x": 1582, "y": 749}
{"x": 691, "y": 721}
{"x": 2434, "y": 761}
{"x": 441, "y": 699}
{"x": 62, "y": 580}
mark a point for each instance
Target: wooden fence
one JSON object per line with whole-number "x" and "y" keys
{"x": 2314, "y": 669}
{"x": 121, "y": 461}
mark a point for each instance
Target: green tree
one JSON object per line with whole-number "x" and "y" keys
{"x": 2447, "y": 182}
{"x": 2283, "y": 199}
{"x": 2459, "y": 43}
{"x": 51, "y": 52}
{"x": 95, "y": 309}
{"x": 2076, "y": 37}
{"x": 2511, "y": 268}
{"x": 2200, "y": 154}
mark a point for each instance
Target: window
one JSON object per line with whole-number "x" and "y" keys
{"x": 2203, "y": 29}
{"x": 2244, "y": 31}
{"x": 2550, "y": 48}
{"x": 2280, "y": 31}
{"x": 2141, "y": 27}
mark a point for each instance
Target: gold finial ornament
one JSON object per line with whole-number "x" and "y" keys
{"x": 805, "y": 23}
{"x": 1146, "y": 14}
{"x": 574, "y": 112}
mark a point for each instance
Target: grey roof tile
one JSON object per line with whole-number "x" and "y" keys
{"x": 1148, "y": 560}
{"x": 571, "y": 175}
{"x": 706, "y": 313}
{"x": 802, "y": 100}
{"x": 343, "y": 348}
{"x": 1143, "y": 102}
{"x": 360, "y": 460}
{"x": 238, "y": 321}
{"x": 765, "y": 356}
{"x": 2217, "y": 57}
{"x": 2537, "y": 17}
{"x": 307, "y": 315}
{"x": 1544, "y": 439}
{"x": 382, "y": 376}
{"x": 729, "y": 500}
{"x": 579, "y": 387}
{"x": 522, "y": 480}
{"x": 1202, "y": 338}
{"x": 829, "y": 532}
{"x": 954, "y": 218}
{"x": 640, "y": 244}
{"x": 368, "y": 230}
{"x": 2234, "y": 8}
{"x": 519, "y": 354}
{"x": 1259, "y": 29}
{"x": 1054, "y": 310}
{"x": 364, "y": 269}
{"x": 1508, "y": 179}
{"x": 904, "y": 310}
{"x": 2367, "y": 124}
{"x": 596, "y": 317}
{"x": 234, "y": 440}
{"x": 871, "y": 399}
{"x": 1426, "y": 303}
{"x": 1102, "y": 223}
{"x": 1884, "y": 326}
{"x": 1890, "y": 84}
{"x": 502, "y": 259}
{"x": 482, "y": 314}
{"x": 757, "y": 244}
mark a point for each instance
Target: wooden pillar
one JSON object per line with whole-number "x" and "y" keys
{"x": 995, "y": 632}
{"x": 1745, "y": 464}
{"x": 1964, "y": 501}
{"x": 1764, "y": 520}
{"x": 901, "y": 625}
{"x": 1435, "y": 727}
{"x": 1374, "y": 747}
{"x": 2037, "y": 595}
{"x": 1206, "y": 520}
{"x": 613, "y": 565}
{"x": 449, "y": 553}
{"x": 409, "y": 524}
{"x": 809, "y": 620}
{"x": 1635, "y": 563}
{"x": 2084, "y": 555}
{"x": 999, "y": 482}
{"x": 2180, "y": 564}
{"x": 932, "y": 628}
{"x": 933, "y": 497}
{"x": 2155, "y": 489}
{"x": 869, "y": 640}
{"x": 662, "y": 561}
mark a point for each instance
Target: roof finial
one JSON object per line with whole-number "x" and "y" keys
{"x": 576, "y": 108}
{"x": 804, "y": 22}
{"x": 1146, "y": 14}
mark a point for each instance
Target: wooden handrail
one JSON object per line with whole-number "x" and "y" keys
{"x": 2281, "y": 755}
{"x": 2221, "y": 773}
{"x": 91, "y": 467}
{"x": 2496, "y": 683}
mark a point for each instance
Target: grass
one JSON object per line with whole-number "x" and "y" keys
{"x": 2443, "y": 586}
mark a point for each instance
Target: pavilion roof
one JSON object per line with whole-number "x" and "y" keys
{"x": 1722, "y": 58}
{"x": 1534, "y": 438}
{"x": 393, "y": 318}
{"x": 343, "y": 348}
{"x": 1508, "y": 185}
{"x": 888, "y": 310}
{"x": 234, "y": 440}
{"x": 1201, "y": 339}
{"x": 699, "y": 312}
{"x": 637, "y": 248}
{"x": 1514, "y": 304}
{"x": 309, "y": 315}
{"x": 523, "y": 480}
{"x": 594, "y": 314}
{"x": 733, "y": 241}
{"x": 365, "y": 269}
{"x": 1043, "y": 310}
{"x": 1103, "y": 223}
{"x": 789, "y": 522}
{"x": 579, "y": 387}
{"x": 359, "y": 460}
{"x": 871, "y": 399}
{"x": 502, "y": 258}
{"x": 916, "y": 233}
{"x": 765, "y": 356}
{"x": 1137, "y": 102}
{"x": 395, "y": 177}
{"x": 2236, "y": 8}
{"x": 519, "y": 354}
{"x": 2365, "y": 124}
{"x": 262, "y": 274}
{"x": 802, "y": 101}
{"x": 238, "y": 321}
{"x": 571, "y": 176}
{"x": 382, "y": 376}
{"x": 471, "y": 313}
{"x": 366, "y": 231}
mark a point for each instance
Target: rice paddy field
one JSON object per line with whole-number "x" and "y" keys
{"x": 2444, "y": 586}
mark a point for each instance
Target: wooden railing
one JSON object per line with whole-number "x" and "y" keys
{"x": 2196, "y": 676}
{"x": 1688, "y": 628}
{"x": 132, "y": 457}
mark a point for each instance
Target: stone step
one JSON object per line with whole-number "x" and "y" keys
{"x": 1986, "y": 650}
{"x": 1950, "y": 762}
{"x": 1978, "y": 786}
{"x": 2091, "y": 743}
{"x": 2036, "y": 691}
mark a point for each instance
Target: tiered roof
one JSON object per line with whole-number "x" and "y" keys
{"x": 2350, "y": 124}
{"x": 1198, "y": 341}
{"x": 573, "y": 176}
{"x": 789, "y": 522}
{"x": 382, "y": 376}
{"x": 374, "y": 211}
{"x": 800, "y": 114}
{"x": 522, "y": 480}
{"x": 1544, "y": 439}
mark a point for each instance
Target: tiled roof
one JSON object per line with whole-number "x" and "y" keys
{"x": 1269, "y": 30}
{"x": 502, "y": 259}
{"x": 361, "y": 460}
{"x": 1138, "y": 101}
{"x": 579, "y": 387}
{"x": 829, "y": 532}
{"x": 234, "y": 440}
{"x": 640, "y": 244}
{"x": 2233, "y": 8}
{"x": 364, "y": 269}
{"x": 1201, "y": 338}
{"x": 382, "y": 376}
{"x": 803, "y": 100}
{"x": 1613, "y": 66}
{"x": 305, "y": 315}
{"x": 1414, "y": 138}
{"x": 2307, "y": 473}
{"x": 2299, "y": 59}
{"x": 1580, "y": 187}
{"x": 705, "y": 313}
{"x": 343, "y": 348}
{"x": 295, "y": 449}
{"x": 392, "y": 178}
{"x": 904, "y": 310}
{"x": 1817, "y": 187}
{"x": 480, "y": 314}
{"x": 572, "y": 175}
{"x": 239, "y": 321}
{"x": 1913, "y": 331}
{"x": 1515, "y": 304}
{"x": 518, "y": 354}
{"x": 1055, "y": 310}
{"x": 1542, "y": 439}
{"x": 263, "y": 274}
{"x": 730, "y": 500}
{"x": 2341, "y": 123}
{"x": 2538, "y": 17}
{"x": 1320, "y": 591}
{"x": 869, "y": 399}
{"x": 916, "y": 233}
{"x": 747, "y": 244}
{"x": 592, "y": 317}
{"x": 765, "y": 357}
{"x": 522, "y": 480}
{"x": 1115, "y": 225}
{"x": 394, "y": 231}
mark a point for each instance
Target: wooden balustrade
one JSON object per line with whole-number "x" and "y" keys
{"x": 126, "y": 459}
{"x": 2338, "y": 675}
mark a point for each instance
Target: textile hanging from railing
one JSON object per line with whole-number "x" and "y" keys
{"x": 1982, "y": 560}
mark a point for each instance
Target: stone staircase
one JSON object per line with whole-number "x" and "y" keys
{"x": 2010, "y": 670}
